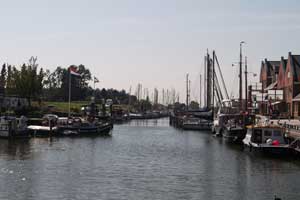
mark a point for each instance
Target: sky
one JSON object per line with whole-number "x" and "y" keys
{"x": 152, "y": 42}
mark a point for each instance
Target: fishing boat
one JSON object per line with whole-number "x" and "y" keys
{"x": 78, "y": 126}
{"x": 119, "y": 114}
{"x": 267, "y": 138}
{"x": 12, "y": 127}
{"x": 235, "y": 128}
{"x": 227, "y": 111}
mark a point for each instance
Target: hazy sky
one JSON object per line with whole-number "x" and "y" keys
{"x": 154, "y": 42}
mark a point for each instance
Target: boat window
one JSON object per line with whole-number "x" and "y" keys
{"x": 277, "y": 133}
{"x": 267, "y": 133}
{"x": 257, "y": 136}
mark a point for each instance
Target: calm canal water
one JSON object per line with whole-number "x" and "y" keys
{"x": 142, "y": 160}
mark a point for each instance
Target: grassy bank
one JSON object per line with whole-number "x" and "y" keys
{"x": 61, "y": 106}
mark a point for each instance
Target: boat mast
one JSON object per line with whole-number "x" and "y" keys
{"x": 246, "y": 85}
{"x": 240, "y": 78}
{"x": 200, "y": 102}
{"x": 187, "y": 92}
{"x": 209, "y": 79}
{"x": 205, "y": 82}
{"x": 213, "y": 82}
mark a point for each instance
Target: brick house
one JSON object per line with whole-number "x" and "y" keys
{"x": 268, "y": 77}
{"x": 269, "y": 72}
{"x": 288, "y": 80}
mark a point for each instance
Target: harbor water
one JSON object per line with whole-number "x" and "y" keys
{"x": 146, "y": 159}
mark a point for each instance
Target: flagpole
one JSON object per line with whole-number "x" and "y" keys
{"x": 69, "y": 93}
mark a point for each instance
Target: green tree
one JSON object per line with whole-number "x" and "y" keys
{"x": 3, "y": 79}
{"x": 85, "y": 76}
{"x": 9, "y": 80}
{"x": 28, "y": 83}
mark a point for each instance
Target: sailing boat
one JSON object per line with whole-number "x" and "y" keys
{"x": 234, "y": 129}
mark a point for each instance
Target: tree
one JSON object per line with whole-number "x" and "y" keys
{"x": 85, "y": 75}
{"x": 28, "y": 83}
{"x": 9, "y": 80}
{"x": 40, "y": 81}
{"x": 3, "y": 79}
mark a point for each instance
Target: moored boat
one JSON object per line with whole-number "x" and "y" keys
{"x": 235, "y": 129}
{"x": 12, "y": 127}
{"x": 193, "y": 123}
{"x": 268, "y": 138}
{"x": 76, "y": 126}
{"x": 46, "y": 128}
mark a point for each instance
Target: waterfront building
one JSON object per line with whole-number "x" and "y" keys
{"x": 269, "y": 91}
{"x": 281, "y": 78}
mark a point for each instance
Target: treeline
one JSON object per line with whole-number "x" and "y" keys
{"x": 24, "y": 82}
{"x": 35, "y": 83}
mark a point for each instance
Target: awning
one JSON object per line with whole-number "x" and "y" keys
{"x": 272, "y": 86}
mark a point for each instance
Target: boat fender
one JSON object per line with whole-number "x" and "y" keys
{"x": 275, "y": 143}
{"x": 269, "y": 141}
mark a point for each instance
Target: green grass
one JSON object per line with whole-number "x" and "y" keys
{"x": 62, "y": 106}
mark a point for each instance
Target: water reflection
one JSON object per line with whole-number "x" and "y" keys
{"x": 14, "y": 149}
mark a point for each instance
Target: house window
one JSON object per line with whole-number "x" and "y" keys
{"x": 288, "y": 75}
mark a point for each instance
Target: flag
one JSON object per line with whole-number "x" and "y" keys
{"x": 96, "y": 80}
{"x": 73, "y": 71}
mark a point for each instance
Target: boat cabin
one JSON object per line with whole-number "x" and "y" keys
{"x": 261, "y": 135}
